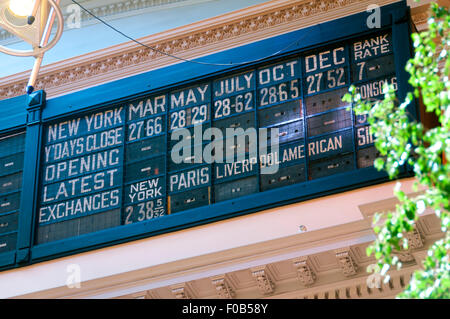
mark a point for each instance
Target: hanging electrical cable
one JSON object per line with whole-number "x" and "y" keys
{"x": 177, "y": 57}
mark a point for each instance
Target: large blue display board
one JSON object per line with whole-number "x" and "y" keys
{"x": 121, "y": 161}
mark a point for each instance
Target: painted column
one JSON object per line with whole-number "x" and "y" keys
{"x": 36, "y": 103}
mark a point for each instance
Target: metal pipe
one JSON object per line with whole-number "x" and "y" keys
{"x": 34, "y": 74}
{"x": 49, "y": 26}
{"x": 44, "y": 17}
{"x": 44, "y": 41}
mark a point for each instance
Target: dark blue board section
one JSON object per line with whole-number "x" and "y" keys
{"x": 13, "y": 112}
{"x": 223, "y": 210}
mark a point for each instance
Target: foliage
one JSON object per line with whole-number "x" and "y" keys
{"x": 404, "y": 142}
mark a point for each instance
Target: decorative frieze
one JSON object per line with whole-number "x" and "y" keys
{"x": 404, "y": 256}
{"x": 182, "y": 291}
{"x": 415, "y": 241}
{"x": 305, "y": 273}
{"x": 223, "y": 287}
{"x": 151, "y": 294}
{"x": 346, "y": 261}
{"x": 264, "y": 279}
{"x": 420, "y": 20}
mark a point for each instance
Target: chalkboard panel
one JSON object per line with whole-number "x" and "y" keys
{"x": 11, "y": 164}
{"x": 234, "y": 95}
{"x": 329, "y": 122}
{"x": 183, "y": 158}
{"x": 82, "y": 166}
{"x": 145, "y": 190}
{"x": 282, "y": 155}
{"x": 78, "y": 226}
{"x": 374, "y": 68}
{"x": 241, "y": 144}
{"x": 367, "y": 156}
{"x": 12, "y": 144}
{"x": 191, "y": 199}
{"x": 8, "y": 222}
{"x": 9, "y": 202}
{"x": 146, "y": 128}
{"x": 237, "y": 123}
{"x": 192, "y": 135}
{"x": 279, "y": 93}
{"x": 172, "y": 151}
{"x": 327, "y": 167}
{"x": 286, "y": 133}
{"x": 8, "y": 242}
{"x": 371, "y": 46}
{"x": 325, "y": 102}
{"x": 10, "y": 183}
{"x": 145, "y": 148}
{"x": 364, "y": 136}
{"x": 237, "y": 168}
{"x": 190, "y": 179}
{"x": 285, "y": 112}
{"x": 237, "y": 188}
{"x": 373, "y": 90}
{"x": 328, "y": 80}
{"x": 330, "y": 145}
{"x": 285, "y": 176}
{"x": 145, "y": 211}
{"x": 189, "y": 116}
{"x": 234, "y": 105}
{"x": 144, "y": 169}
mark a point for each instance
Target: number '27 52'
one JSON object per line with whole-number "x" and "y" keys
{"x": 325, "y": 80}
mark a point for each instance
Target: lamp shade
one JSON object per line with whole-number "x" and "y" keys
{"x": 16, "y": 24}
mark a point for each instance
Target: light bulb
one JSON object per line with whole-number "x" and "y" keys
{"x": 21, "y": 8}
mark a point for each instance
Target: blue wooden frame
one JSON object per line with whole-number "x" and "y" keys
{"x": 30, "y": 113}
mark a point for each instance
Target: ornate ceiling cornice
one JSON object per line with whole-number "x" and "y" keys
{"x": 190, "y": 41}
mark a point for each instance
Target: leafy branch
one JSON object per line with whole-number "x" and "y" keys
{"x": 403, "y": 141}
